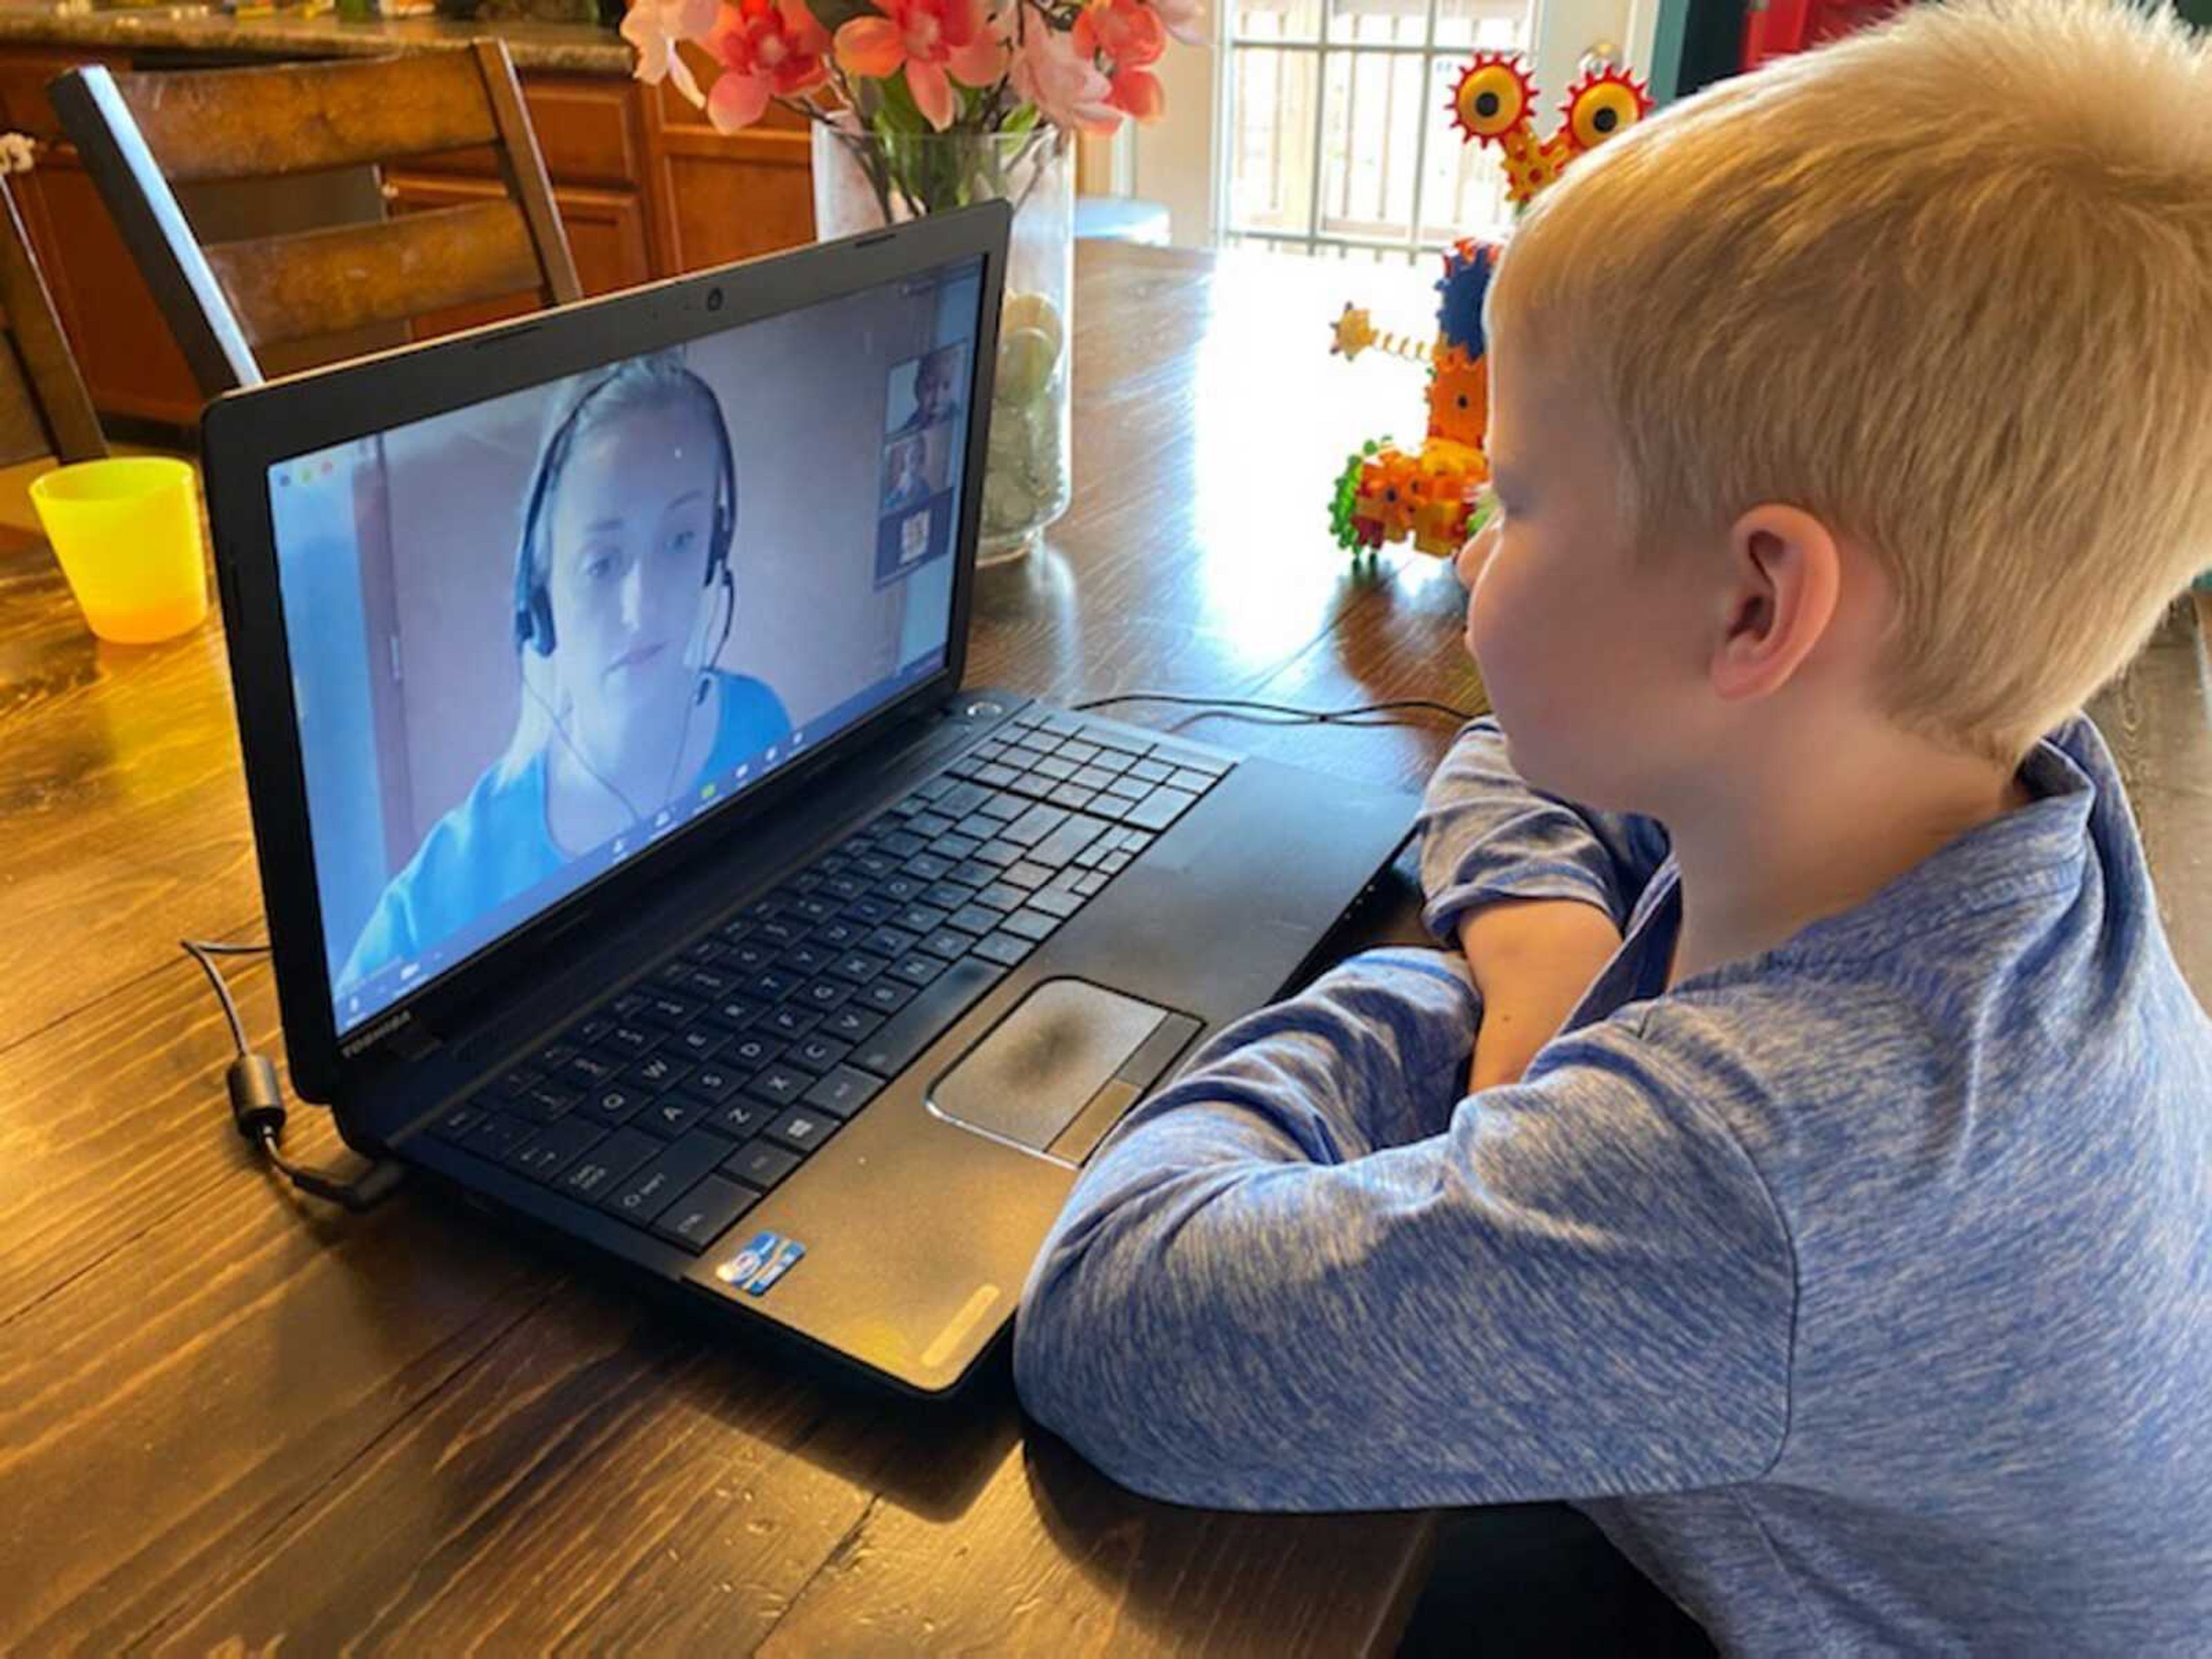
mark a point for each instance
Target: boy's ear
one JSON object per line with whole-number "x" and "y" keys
{"x": 1783, "y": 577}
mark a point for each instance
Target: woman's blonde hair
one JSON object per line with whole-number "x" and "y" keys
{"x": 1947, "y": 285}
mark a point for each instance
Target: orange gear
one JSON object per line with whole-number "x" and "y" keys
{"x": 1492, "y": 97}
{"x": 1602, "y": 104}
{"x": 1459, "y": 397}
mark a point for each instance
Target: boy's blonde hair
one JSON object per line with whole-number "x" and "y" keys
{"x": 1948, "y": 286}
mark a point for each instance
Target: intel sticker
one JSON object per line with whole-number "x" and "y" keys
{"x": 765, "y": 1258}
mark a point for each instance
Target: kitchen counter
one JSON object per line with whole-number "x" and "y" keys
{"x": 579, "y": 48}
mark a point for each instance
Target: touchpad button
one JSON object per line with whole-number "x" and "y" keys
{"x": 1042, "y": 1064}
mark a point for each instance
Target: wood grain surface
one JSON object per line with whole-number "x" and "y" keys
{"x": 231, "y": 1418}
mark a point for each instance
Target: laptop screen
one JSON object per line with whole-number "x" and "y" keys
{"x": 531, "y": 636}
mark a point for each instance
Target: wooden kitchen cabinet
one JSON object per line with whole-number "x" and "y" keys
{"x": 646, "y": 189}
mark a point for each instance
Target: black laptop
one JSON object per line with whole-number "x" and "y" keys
{"x": 636, "y": 858}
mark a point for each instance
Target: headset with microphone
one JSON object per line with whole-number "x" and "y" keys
{"x": 533, "y": 603}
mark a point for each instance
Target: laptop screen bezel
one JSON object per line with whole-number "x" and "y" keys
{"x": 246, "y": 431}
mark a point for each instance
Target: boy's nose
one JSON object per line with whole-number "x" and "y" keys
{"x": 632, "y": 598}
{"x": 1474, "y": 554}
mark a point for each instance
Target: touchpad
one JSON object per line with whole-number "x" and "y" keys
{"x": 1057, "y": 1072}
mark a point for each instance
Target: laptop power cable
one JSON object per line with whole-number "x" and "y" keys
{"x": 256, "y": 1101}
{"x": 1371, "y": 713}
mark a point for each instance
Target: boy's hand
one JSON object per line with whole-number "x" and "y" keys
{"x": 1532, "y": 960}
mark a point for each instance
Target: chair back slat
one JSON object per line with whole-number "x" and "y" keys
{"x": 323, "y": 282}
{"x": 304, "y": 118}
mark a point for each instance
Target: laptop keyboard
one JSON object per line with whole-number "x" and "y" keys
{"x": 686, "y": 1099}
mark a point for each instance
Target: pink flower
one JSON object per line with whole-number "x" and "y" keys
{"x": 769, "y": 49}
{"x": 1126, "y": 31}
{"x": 930, "y": 40}
{"x": 654, "y": 27}
{"x": 1064, "y": 84}
{"x": 1183, "y": 19}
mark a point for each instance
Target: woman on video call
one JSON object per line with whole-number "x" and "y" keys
{"x": 623, "y": 598}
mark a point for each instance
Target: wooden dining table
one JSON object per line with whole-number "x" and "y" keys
{"x": 234, "y": 1419}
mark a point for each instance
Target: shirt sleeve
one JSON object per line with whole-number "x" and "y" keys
{"x": 1486, "y": 835}
{"x": 1307, "y": 1276}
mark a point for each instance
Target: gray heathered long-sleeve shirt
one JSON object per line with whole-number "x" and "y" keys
{"x": 1860, "y": 1292}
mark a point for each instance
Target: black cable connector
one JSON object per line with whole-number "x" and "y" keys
{"x": 257, "y": 1102}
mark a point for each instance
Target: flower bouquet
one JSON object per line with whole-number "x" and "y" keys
{"x": 920, "y": 106}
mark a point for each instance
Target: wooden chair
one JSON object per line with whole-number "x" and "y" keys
{"x": 44, "y": 407}
{"x": 140, "y": 135}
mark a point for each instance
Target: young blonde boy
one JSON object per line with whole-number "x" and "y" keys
{"x": 1831, "y": 1215}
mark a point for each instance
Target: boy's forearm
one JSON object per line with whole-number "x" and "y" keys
{"x": 1532, "y": 959}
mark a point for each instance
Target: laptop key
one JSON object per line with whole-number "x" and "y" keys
{"x": 924, "y": 1018}
{"x": 1028, "y": 875}
{"x": 1001, "y": 895}
{"x": 949, "y": 942}
{"x": 1034, "y": 825}
{"x": 843, "y": 1091}
{"x": 1161, "y": 808}
{"x": 631, "y": 1041}
{"x": 582, "y": 1071}
{"x": 1004, "y": 949}
{"x": 790, "y": 1022}
{"x": 1090, "y": 883}
{"x": 670, "y": 1115}
{"x": 933, "y": 788}
{"x": 929, "y": 825}
{"x": 773, "y": 985}
{"x": 840, "y": 934}
{"x": 454, "y": 1123}
{"x": 945, "y": 896}
{"x": 670, "y": 1009}
{"x": 653, "y": 1188}
{"x": 702, "y": 1042}
{"x": 958, "y": 802}
{"x": 851, "y": 1024}
{"x": 704, "y": 1214}
{"x": 927, "y": 867}
{"x": 903, "y": 844}
{"x": 872, "y": 911}
{"x": 999, "y": 809}
{"x": 922, "y": 919}
{"x": 886, "y": 996}
{"x": 917, "y": 969}
{"x": 779, "y": 1084}
{"x": 612, "y": 1108}
{"x": 761, "y": 1163}
{"x": 739, "y": 1118}
{"x": 1150, "y": 771}
{"x": 552, "y": 1150}
{"x": 1072, "y": 796}
{"x": 496, "y": 1135}
{"x": 891, "y": 944}
{"x": 997, "y": 773}
{"x": 822, "y": 996}
{"x": 1034, "y": 925}
{"x": 618, "y": 1158}
{"x": 1197, "y": 782}
{"x": 1055, "y": 902}
{"x": 816, "y": 1054}
{"x": 715, "y": 1082}
{"x": 997, "y": 854}
{"x": 752, "y": 1051}
{"x": 657, "y": 1073}
{"x": 1069, "y": 839}
{"x": 808, "y": 958}
{"x": 802, "y": 1129}
{"x": 547, "y": 1103}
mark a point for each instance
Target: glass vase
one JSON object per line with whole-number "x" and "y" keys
{"x": 865, "y": 180}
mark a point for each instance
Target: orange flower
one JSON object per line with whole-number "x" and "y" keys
{"x": 769, "y": 49}
{"x": 930, "y": 40}
{"x": 1128, "y": 32}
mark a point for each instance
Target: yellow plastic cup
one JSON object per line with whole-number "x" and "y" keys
{"x": 127, "y": 533}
